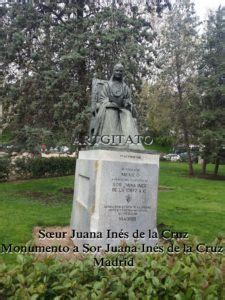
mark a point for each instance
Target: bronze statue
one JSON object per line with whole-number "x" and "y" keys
{"x": 113, "y": 113}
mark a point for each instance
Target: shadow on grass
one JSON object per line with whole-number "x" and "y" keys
{"x": 64, "y": 194}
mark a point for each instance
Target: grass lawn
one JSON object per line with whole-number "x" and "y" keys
{"x": 37, "y": 202}
{"x": 189, "y": 204}
{"x": 158, "y": 148}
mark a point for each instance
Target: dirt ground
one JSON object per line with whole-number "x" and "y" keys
{"x": 63, "y": 243}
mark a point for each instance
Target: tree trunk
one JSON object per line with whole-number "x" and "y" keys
{"x": 204, "y": 167}
{"x": 82, "y": 67}
{"x": 217, "y": 164}
{"x": 81, "y": 70}
{"x": 182, "y": 118}
{"x": 186, "y": 141}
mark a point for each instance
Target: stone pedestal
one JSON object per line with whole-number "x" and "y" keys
{"x": 116, "y": 191}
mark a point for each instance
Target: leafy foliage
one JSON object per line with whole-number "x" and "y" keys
{"x": 178, "y": 59}
{"x": 212, "y": 86}
{"x": 191, "y": 276}
{"x": 42, "y": 167}
{"x": 52, "y": 50}
{"x": 30, "y": 139}
{"x": 4, "y": 168}
{"x": 156, "y": 109}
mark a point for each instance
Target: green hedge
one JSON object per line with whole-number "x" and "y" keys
{"x": 44, "y": 167}
{"x": 4, "y": 168}
{"x": 155, "y": 276}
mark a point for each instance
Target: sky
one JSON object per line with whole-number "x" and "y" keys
{"x": 202, "y": 6}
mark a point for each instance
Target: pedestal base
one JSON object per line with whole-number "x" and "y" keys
{"x": 115, "y": 195}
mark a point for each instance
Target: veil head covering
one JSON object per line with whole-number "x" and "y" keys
{"x": 118, "y": 65}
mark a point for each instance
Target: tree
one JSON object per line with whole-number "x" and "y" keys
{"x": 51, "y": 51}
{"x": 178, "y": 60}
{"x": 212, "y": 86}
{"x": 155, "y": 110}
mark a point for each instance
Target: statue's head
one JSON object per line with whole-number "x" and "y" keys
{"x": 118, "y": 72}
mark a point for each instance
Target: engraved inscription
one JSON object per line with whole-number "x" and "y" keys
{"x": 129, "y": 187}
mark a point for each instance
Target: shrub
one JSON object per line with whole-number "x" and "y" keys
{"x": 42, "y": 167}
{"x": 4, "y": 168}
{"x": 164, "y": 140}
{"x": 22, "y": 167}
{"x": 53, "y": 166}
{"x": 155, "y": 276}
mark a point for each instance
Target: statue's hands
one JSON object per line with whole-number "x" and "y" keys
{"x": 128, "y": 105}
{"x": 112, "y": 105}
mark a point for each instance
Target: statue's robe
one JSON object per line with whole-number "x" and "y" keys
{"x": 115, "y": 121}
